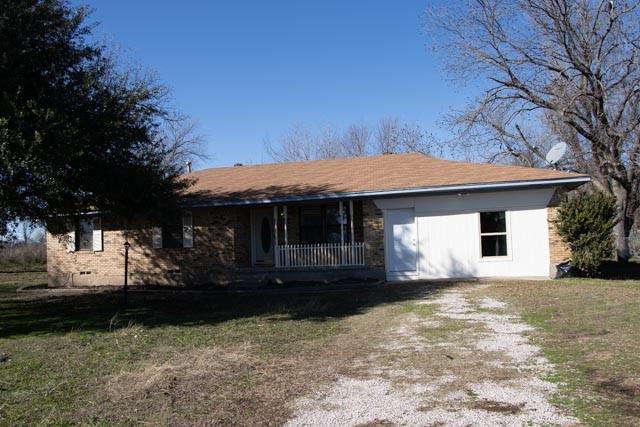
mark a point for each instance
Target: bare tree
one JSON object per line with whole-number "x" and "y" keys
{"x": 329, "y": 144}
{"x": 297, "y": 144}
{"x": 356, "y": 140}
{"x": 411, "y": 139}
{"x": 25, "y": 232}
{"x": 181, "y": 141}
{"x": 392, "y": 136}
{"x": 569, "y": 68}
{"x": 487, "y": 134}
{"x": 396, "y": 137}
{"x": 387, "y": 135}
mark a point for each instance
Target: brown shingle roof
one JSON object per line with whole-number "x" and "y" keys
{"x": 354, "y": 175}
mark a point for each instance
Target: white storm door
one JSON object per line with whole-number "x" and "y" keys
{"x": 262, "y": 240}
{"x": 402, "y": 240}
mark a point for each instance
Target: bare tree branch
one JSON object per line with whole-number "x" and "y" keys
{"x": 391, "y": 136}
{"x": 181, "y": 141}
{"x": 356, "y": 140}
{"x": 569, "y": 69}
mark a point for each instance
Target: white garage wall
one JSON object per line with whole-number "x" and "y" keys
{"x": 449, "y": 234}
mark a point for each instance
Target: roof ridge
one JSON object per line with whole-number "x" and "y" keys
{"x": 315, "y": 161}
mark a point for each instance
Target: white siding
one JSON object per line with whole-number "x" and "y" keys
{"x": 97, "y": 233}
{"x": 449, "y": 234}
{"x": 187, "y": 229}
{"x": 447, "y": 246}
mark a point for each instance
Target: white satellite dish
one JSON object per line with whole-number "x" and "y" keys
{"x": 556, "y": 153}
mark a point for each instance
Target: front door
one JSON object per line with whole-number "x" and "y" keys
{"x": 262, "y": 241}
{"x": 402, "y": 238}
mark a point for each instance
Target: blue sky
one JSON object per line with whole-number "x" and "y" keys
{"x": 247, "y": 70}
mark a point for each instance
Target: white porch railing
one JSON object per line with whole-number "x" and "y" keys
{"x": 320, "y": 255}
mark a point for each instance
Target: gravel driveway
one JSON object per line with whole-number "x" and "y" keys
{"x": 450, "y": 359}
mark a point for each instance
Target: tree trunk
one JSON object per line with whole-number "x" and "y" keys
{"x": 622, "y": 231}
{"x": 623, "y": 228}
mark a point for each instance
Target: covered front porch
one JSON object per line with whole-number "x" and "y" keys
{"x": 308, "y": 235}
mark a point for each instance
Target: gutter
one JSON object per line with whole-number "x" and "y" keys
{"x": 509, "y": 185}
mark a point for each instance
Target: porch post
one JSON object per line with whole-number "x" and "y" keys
{"x": 276, "y": 255}
{"x": 341, "y": 209}
{"x": 286, "y": 235}
{"x": 353, "y": 237}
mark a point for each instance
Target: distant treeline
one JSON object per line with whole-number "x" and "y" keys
{"x": 20, "y": 255}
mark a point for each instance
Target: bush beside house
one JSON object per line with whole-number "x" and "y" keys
{"x": 585, "y": 223}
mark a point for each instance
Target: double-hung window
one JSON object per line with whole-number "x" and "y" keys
{"x": 176, "y": 233}
{"x": 494, "y": 241}
{"x": 85, "y": 234}
{"x": 172, "y": 234}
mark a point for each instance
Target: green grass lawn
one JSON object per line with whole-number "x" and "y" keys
{"x": 19, "y": 267}
{"x": 11, "y": 281}
{"x": 591, "y": 330}
{"x": 177, "y": 358}
{"x": 172, "y": 358}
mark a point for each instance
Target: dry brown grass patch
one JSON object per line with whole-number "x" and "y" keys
{"x": 210, "y": 385}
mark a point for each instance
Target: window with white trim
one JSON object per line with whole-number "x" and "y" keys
{"x": 176, "y": 233}
{"x": 85, "y": 234}
{"x": 172, "y": 233}
{"x": 493, "y": 234}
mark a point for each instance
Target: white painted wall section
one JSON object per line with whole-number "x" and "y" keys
{"x": 448, "y": 231}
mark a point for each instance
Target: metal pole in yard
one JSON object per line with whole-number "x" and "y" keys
{"x": 126, "y": 269}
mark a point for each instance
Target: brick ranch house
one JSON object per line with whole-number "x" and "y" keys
{"x": 396, "y": 216}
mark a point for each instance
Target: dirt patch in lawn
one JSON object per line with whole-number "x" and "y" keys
{"x": 629, "y": 387}
{"x": 500, "y": 407}
{"x": 221, "y": 384}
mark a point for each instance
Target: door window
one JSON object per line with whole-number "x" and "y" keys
{"x": 265, "y": 235}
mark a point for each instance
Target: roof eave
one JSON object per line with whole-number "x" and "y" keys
{"x": 570, "y": 183}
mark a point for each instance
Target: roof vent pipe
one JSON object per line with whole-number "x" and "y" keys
{"x": 188, "y": 166}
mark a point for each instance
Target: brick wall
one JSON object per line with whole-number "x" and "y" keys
{"x": 222, "y": 243}
{"x": 83, "y": 267}
{"x": 211, "y": 260}
{"x": 558, "y": 250}
{"x": 242, "y": 238}
{"x": 373, "y": 230}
